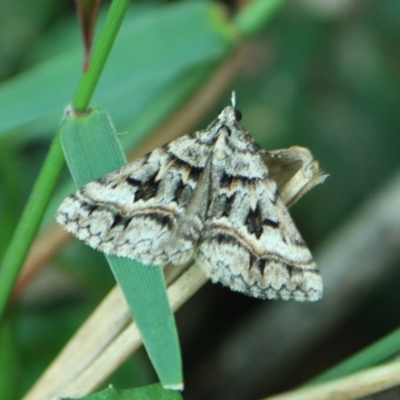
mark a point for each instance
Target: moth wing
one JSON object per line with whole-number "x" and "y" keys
{"x": 249, "y": 241}
{"x": 137, "y": 211}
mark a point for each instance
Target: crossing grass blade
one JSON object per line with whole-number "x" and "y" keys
{"x": 378, "y": 352}
{"x": 91, "y": 150}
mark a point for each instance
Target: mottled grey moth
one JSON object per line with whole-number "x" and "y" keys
{"x": 213, "y": 197}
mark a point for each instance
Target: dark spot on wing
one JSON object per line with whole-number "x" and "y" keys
{"x": 271, "y": 223}
{"x": 178, "y": 190}
{"x": 163, "y": 220}
{"x": 259, "y": 263}
{"x": 145, "y": 190}
{"x": 254, "y": 221}
{"x": 117, "y": 220}
{"x": 275, "y": 196}
{"x": 227, "y": 207}
{"x": 195, "y": 172}
{"x": 90, "y": 207}
{"x": 120, "y": 220}
{"x": 225, "y": 181}
{"x": 299, "y": 243}
{"x": 179, "y": 163}
{"x": 133, "y": 181}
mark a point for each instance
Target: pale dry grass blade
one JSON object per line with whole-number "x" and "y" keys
{"x": 351, "y": 387}
{"x": 103, "y": 343}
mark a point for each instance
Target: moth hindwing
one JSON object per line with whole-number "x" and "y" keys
{"x": 207, "y": 197}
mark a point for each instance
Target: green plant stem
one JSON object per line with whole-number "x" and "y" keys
{"x": 54, "y": 163}
{"x": 30, "y": 221}
{"x": 253, "y": 17}
{"x": 100, "y": 54}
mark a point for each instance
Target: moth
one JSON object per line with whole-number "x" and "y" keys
{"x": 212, "y": 197}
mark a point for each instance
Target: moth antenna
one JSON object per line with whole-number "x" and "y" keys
{"x": 233, "y": 99}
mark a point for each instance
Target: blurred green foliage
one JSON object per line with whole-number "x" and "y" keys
{"x": 327, "y": 79}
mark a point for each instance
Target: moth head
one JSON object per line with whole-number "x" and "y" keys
{"x": 238, "y": 114}
{"x": 229, "y": 115}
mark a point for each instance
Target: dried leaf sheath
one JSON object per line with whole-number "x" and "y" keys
{"x": 207, "y": 196}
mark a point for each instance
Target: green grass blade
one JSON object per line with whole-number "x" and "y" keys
{"x": 150, "y": 392}
{"x": 253, "y": 17}
{"x": 91, "y": 150}
{"x": 147, "y": 298}
{"x": 378, "y": 352}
